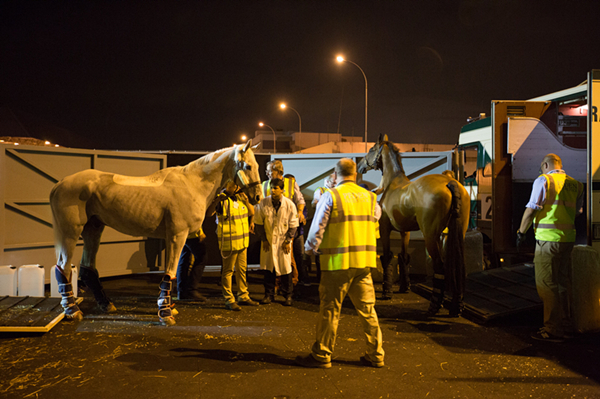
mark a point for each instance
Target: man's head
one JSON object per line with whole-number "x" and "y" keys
{"x": 276, "y": 188}
{"x": 275, "y": 169}
{"x": 345, "y": 169}
{"x": 330, "y": 181}
{"x": 550, "y": 162}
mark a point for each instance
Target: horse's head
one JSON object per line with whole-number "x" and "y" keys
{"x": 373, "y": 158}
{"x": 246, "y": 172}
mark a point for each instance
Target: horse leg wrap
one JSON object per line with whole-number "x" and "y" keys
{"x": 388, "y": 275}
{"x": 165, "y": 304}
{"x": 91, "y": 280}
{"x": 437, "y": 295}
{"x": 403, "y": 271}
{"x": 65, "y": 289}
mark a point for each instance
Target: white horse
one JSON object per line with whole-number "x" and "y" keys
{"x": 168, "y": 204}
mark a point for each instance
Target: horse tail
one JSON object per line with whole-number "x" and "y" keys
{"x": 455, "y": 247}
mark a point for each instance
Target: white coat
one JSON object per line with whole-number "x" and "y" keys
{"x": 276, "y": 224}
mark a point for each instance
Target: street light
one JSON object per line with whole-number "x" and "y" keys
{"x": 243, "y": 137}
{"x": 284, "y": 106}
{"x": 274, "y": 138}
{"x": 341, "y": 59}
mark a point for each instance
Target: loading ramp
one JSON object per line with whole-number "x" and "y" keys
{"x": 496, "y": 292}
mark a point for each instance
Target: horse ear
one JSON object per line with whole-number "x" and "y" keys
{"x": 385, "y": 138}
{"x": 254, "y": 147}
{"x": 247, "y": 145}
{"x": 380, "y": 137}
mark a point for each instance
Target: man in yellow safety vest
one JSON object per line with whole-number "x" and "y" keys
{"x": 343, "y": 232}
{"x": 556, "y": 199}
{"x": 233, "y": 234}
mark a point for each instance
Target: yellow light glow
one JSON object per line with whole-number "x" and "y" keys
{"x": 339, "y": 58}
{"x": 260, "y": 124}
{"x": 16, "y": 143}
{"x": 56, "y": 145}
{"x": 501, "y": 260}
{"x": 282, "y": 105}
{"x": 47, "y": 142}
{"x": 244, "y": 137}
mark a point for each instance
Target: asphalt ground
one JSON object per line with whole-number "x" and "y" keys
{"x": 213, "y": 352}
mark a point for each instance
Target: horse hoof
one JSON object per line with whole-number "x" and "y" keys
{"x": 168, "y": 321}
{"x": 108, "y": 308}
{"x": 77, "y": 316}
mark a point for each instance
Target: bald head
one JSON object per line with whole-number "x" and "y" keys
{"x": 551, "y": 162}
{"x": 345, "y": 169}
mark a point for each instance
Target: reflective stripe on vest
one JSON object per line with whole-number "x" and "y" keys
{"x": 556, "y": 220}
{"x": 232, "y": 227}
{"x": 349, "y": 239}
{"x": 289, "y": 185}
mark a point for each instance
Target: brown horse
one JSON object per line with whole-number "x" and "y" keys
{"x": 430, "y": 204}
{"x": 168, "y": 204}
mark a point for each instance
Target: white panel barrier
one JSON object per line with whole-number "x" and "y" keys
{"x": 8, "y": 280}
{"x": 586, "y": 288}
{"x": 31, "y": 280}
{"x": 54, "y": 284}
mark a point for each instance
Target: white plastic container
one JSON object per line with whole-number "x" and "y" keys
{"x": 31, "y": 280}
{"x": 54, "y": 284}
{"x": 8, "y": 280}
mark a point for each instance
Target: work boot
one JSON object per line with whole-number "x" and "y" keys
{"x": 267, "y": 300}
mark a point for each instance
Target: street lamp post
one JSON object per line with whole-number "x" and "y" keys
{"x": 284, "y": 106}
{"x": 274, "y": 138}
{"x": 341, "y": 59}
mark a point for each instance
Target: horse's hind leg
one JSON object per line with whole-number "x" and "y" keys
{"x": 439, "y": 275}
{"x": 92, "y": 231}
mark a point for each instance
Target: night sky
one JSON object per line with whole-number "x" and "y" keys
{"x": 177, "y": 75}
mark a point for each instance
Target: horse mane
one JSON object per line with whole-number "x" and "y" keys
{"x": 208, "y": 158}
{"x": 397, "y": 156}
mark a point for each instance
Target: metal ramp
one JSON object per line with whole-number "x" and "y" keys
{"x": 30, "y": 314}
{"x": 497, "y": 292}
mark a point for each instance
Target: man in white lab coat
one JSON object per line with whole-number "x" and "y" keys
{"x": 276, "y": 220}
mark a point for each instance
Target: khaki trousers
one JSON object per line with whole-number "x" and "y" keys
{"x": 553, "y": 282}
{"x": 236, "y": 261}
{"x": 334, "y": 286}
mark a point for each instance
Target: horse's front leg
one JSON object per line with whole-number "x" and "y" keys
{"x": 385, "y": 229}
{"x": 166, "y": 312}
{"x": 404, "y": 263}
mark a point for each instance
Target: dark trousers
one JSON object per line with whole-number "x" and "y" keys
{"x": 286, "y": 286}
{"x": 302, "y": 262}
{"x": 189, "y": 274}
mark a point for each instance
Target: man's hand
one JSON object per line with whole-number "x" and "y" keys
{"x": 266, "y": 246}
{"x": 521, "y": 237}
{"x": 287, "y": 247}
{"x": 301, "y": 218}
{"x": 252, "y": 228}
{"x": 309, "y": 252}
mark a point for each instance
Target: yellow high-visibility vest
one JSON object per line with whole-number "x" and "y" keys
{"x": 233, "y": 232}
{"x": 289, "y": 185}
{"x": 556, "y": 220}
{"x": 349, "y": 240}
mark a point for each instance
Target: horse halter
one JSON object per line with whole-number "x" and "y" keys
{"x": 242, "y": 179}
{"x": 377, "y": 163}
